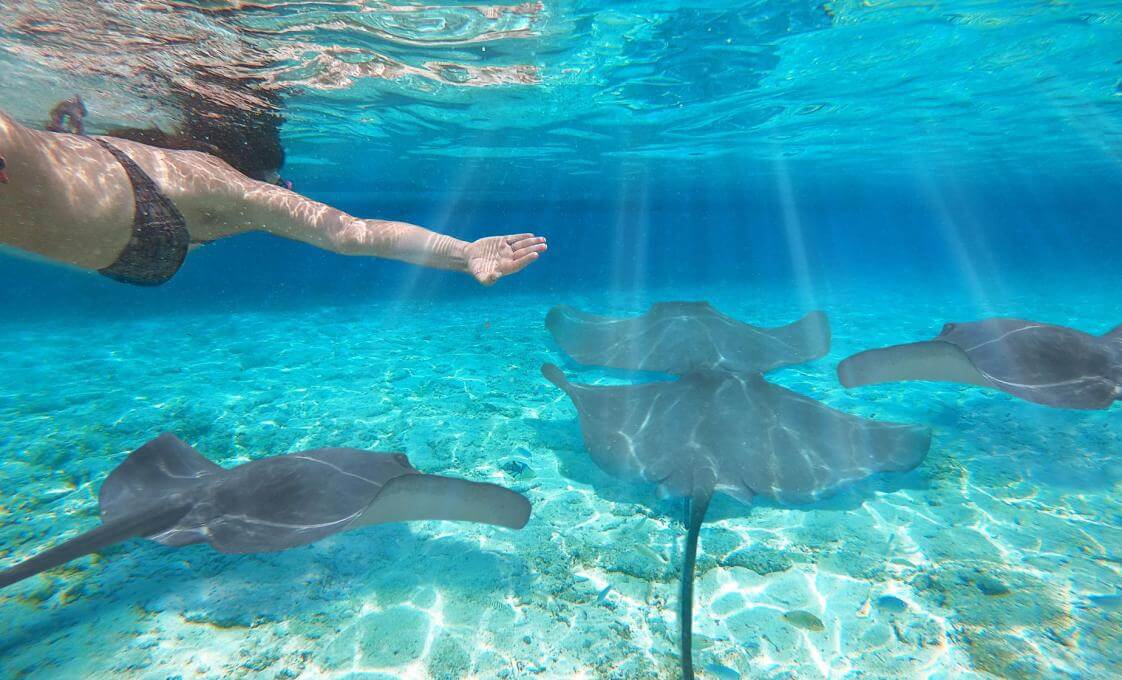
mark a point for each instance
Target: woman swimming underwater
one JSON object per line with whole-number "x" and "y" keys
{"x": 131, "y": 211}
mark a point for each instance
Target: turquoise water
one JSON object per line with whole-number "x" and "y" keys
{"x": 898, "y": 165}
{"x": 997, "y": 546}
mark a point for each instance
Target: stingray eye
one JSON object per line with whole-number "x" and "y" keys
{"x": 2, "y": 163}
{"x": 402, "y": 459}
{"x": 947, "y": 328}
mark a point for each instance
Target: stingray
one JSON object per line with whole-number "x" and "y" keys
{"x": 679, "y": 337}
{"x": 1049, "y": 365}
{"x": 734, "y": 433}
{"x": 168, "y": 492}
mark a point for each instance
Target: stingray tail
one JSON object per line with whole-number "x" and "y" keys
{"x": 110, "y": 533}
{"x": 695, "y": 511}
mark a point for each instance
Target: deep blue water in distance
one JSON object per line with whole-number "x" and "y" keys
{"x": 944, "y": 231}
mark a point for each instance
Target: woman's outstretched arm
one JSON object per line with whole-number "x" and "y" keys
{"x": 70, "y": 200}
{"x": 257, "y": 206}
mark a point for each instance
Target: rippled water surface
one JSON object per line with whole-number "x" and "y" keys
{"x": 562, "y": 91}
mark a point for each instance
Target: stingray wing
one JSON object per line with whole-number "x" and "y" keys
{"x": 281, "y": 502}
{"x": 642, "y": 432}
{"x": 756, "y": 437}
{"x": 682, "y": 337}
{"x": 158, "y": 471}
{"x": 1045, "y": 364}
{"x": 787, "y": 446}
{"x": 1042, "y": 363}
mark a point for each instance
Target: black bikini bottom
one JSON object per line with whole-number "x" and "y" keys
{"x": 159, "y": 233}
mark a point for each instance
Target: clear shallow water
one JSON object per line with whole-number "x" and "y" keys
{"x": 996, "y": 545}
{"x": 896, "y": 164}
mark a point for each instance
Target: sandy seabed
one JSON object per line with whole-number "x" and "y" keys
{"x": 1001, "y": 555}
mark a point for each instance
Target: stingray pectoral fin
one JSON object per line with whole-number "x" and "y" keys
{"x": 430, "y": 497}
{"x": 809, "y": 335}
{"x": 932, "y": 360}
{"x": 159, "y": 469}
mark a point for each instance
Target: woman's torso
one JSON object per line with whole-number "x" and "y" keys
{"x": 69, "y": 199}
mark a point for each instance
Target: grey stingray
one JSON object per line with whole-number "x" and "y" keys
{"x": 168, "y": 492}
{"x": 1041, "y": 363}
{"x": 680, "y": 337}
{"x": 735, "y": 433}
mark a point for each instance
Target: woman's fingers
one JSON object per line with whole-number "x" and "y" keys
{"x": 520, "y": 263}
{"x": 520, "y": 241}
{"x": 525, "y": 249}
{"x": 533, "y": 248}
{"x": 493, "y": 264}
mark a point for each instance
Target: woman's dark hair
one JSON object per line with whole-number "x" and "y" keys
{"x": 247, "y": 139}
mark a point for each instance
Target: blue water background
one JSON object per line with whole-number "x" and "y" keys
{"x": 898, "y": 165}
{"x": 966, "y": 144}
{"x": 959, "y": 234}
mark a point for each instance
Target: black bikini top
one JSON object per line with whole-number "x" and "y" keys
{"x": 159, "y": 233}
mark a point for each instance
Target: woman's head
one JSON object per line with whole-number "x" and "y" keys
{"x": 247, "y": 139}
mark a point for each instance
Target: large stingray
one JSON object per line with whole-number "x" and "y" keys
{"x": 735, "y": 433}
{"x": 679, "y": 337}
{"x": 1050, "y": 365}
{"x": 170, "y": 493}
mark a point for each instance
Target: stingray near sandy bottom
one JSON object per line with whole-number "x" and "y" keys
{"x": 168, "y": 492}
{"x": 734, "y": 433}
{"x": 1050, "y": 365}
{"x": 680, "y": 337}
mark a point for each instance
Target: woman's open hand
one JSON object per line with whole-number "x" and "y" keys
{"x": 494, "y": 257}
